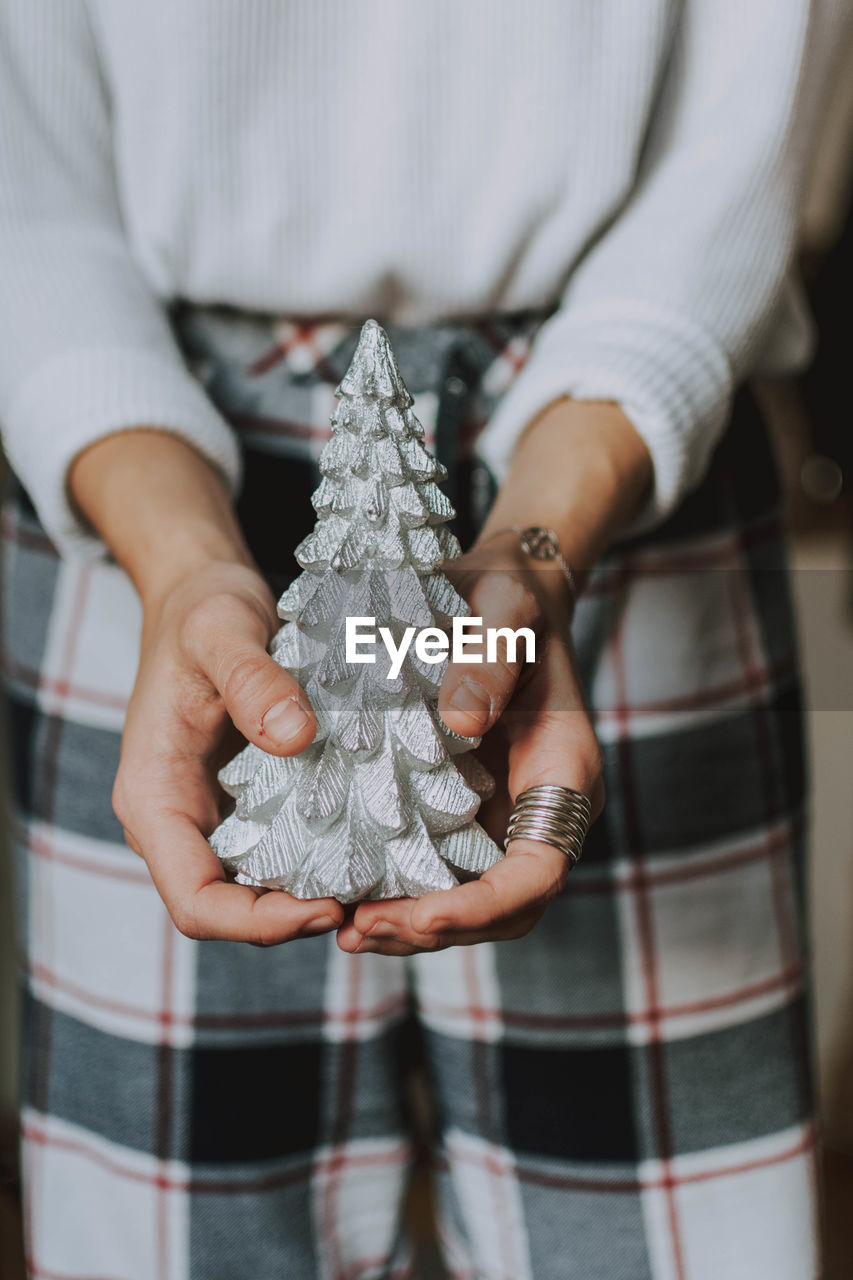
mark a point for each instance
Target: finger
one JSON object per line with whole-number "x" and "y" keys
{"x": 525, "y": 880}
{"x": 550, "y": 734}
{"x": 411, "y": 942}
{"x": 227, "y": 639}
{"x": 205, "y": 905}
{"x": 473, "y": 695}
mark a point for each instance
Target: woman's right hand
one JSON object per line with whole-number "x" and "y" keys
{"x": 204, "y": 670}
{"x": 204, "y": 666}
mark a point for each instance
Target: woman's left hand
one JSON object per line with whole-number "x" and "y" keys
{"x": 549, "y": 739}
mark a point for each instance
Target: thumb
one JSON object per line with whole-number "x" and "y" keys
{"x": 473, "y": 697}
{"x": 551, "y": 736}
{"x": 267, "y": 705}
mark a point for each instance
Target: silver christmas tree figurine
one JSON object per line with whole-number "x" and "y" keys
{"x": 382, "y": 804}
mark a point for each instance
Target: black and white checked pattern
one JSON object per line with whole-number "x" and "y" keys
{"x": 624, "y": 1093}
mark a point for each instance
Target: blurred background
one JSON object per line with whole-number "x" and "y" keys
{"x": 813, "y": 427}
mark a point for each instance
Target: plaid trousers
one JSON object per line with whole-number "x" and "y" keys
{"x": 624, "y": 1094}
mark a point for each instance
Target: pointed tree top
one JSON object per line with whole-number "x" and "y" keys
{"x": 373, "y": 370}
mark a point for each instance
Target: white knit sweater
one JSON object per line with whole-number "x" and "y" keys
{"x": 639, "y": 161}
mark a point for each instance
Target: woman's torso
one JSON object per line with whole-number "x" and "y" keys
{"x": 394, "y": 157}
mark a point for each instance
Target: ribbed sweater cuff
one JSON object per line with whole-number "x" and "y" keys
{"x": 667, "y": 375}
{"x": 83, "y": 396}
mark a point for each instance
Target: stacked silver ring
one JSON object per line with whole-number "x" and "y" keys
{"x": 555, "y": 815}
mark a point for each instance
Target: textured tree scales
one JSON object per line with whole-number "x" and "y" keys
{"x": 382, "y": 804}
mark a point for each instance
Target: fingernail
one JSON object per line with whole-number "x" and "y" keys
{"x": 473, "y": 700}
{"x": 285, "y": 721}
{"x": 319, "y": 924}
{"x": 382, "y": 929}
